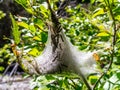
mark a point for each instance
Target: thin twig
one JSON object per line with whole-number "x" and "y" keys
{"x": 14, "y": 69}
{"x": 85, "y": 81}
{"x": 19, "y": 80}
{"x": 113, "y": 42}
{"x": 62, "y": 7}
{"x": 4, "y": 73}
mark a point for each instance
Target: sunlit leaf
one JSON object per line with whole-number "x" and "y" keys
{"x": 2, "y": 14}
{"x": 26, "y": 4}
{"x": 117, "y": 17}
{"x": 37, "y": 38}
{"x": 98, "y": 12}
{"x": 44, "y": 14}
{"x": 30, "y": 10}
{"x": 42, "y": 8}
{"x": 39, "y": 26}
{"x": 22, "y": 2}
{"x": 92, "y": 1}
{"x": 103, "y": 34}
{"x": 23, "y": 24}
{"x": 34, "y": 52}
{"x": 93, "y": 79}
{"x": 32, "y": 28}
{"x": 1, "y": 68}
{"x": 39, "y": 23}
{"x": 15, "y": 30}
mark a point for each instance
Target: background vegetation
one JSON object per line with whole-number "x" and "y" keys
{"x": 92, "y": 26}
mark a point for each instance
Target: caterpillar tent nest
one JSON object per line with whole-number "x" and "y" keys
{"x": 59, "y": 54}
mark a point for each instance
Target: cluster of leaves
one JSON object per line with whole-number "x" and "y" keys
{"x": 90, "y": 28}
{"x": 30, "y": 34}
{"x": 6, "y": 57}
{"x": 60, "y": 82}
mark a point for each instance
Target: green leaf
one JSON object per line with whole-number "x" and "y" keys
{"x": 49, "y": 77}
{"x": 99, "y": 11}
{"x": 93, "y": 79}
{"x": 92, "y": 1}
{"x": 22, "y": 2}
{"x": 1, "y": 68}
{"x": 37, "y": 38}
{"x": 39, "y": 23}
{"x": 26, "y": 5}
{"x": 42, "y": 8}
{"x": 32, "y": 28}
{"x": 29, "y": 10}
{"x": 43, "y": 37}
{"x": 117, "y": 17}
{"x": 103, "y": 34}
{"x": 43, "y": 11}
{"x": 15, "y": 30}
{"x": 101, "y": 27}
{"x": 2, "y": 14}
{"x": 34, "y": 52}
{"x": 23, "y": 24}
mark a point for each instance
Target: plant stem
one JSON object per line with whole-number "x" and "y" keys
{"x": 113, "y": 42}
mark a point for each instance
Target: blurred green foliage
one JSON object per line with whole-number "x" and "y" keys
{"x": 89, "y": 28}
